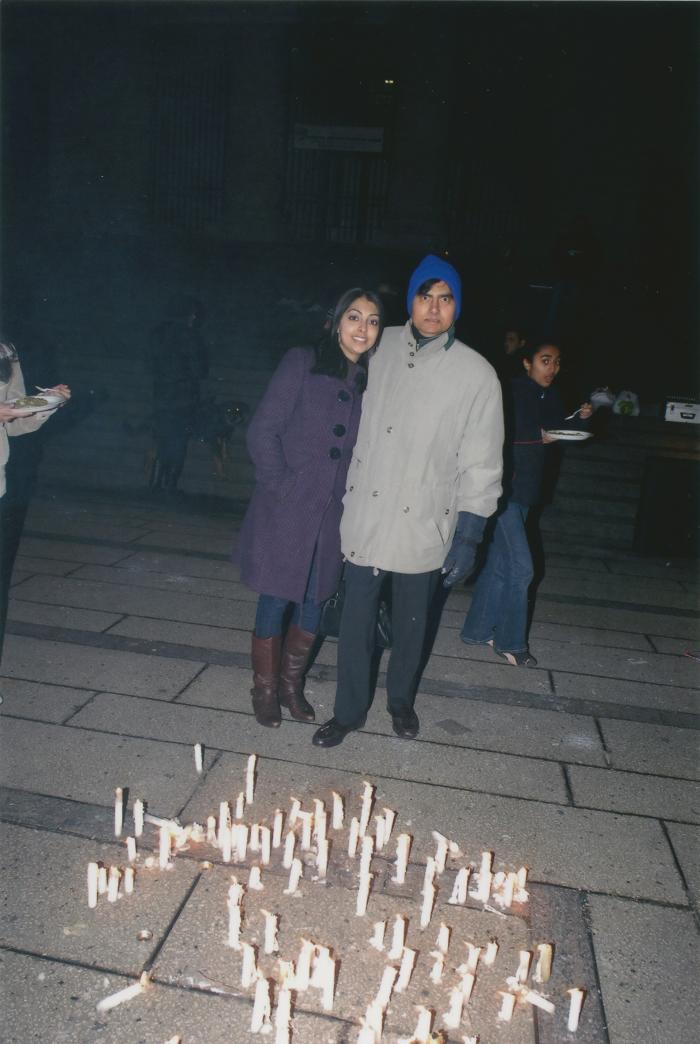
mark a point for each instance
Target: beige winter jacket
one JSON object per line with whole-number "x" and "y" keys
{"x": 13, "y": 390}
{"x": 429, "y": 446}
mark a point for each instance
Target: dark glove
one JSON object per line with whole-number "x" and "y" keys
{"x": 462, "y": 555}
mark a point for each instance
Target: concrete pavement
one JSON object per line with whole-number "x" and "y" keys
{"x": 128, "y": 643}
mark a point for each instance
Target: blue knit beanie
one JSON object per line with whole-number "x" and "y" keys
{"x": 432, "y": 267}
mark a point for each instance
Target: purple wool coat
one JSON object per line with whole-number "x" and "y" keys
{"x": 300, "y": 439}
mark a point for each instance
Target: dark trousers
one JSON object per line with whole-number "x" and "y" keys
{"x": 411, "y": 595}
{"x": 12, "y": 515}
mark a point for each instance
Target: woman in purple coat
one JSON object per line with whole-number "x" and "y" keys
{"x": 301, "y": 440}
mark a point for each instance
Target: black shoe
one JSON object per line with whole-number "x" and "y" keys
{"x": 331, "y": 734}
{"x": 406, "y": 724}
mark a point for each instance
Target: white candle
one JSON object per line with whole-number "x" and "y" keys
{"x": 398, "y": 938}
{"x": 366, "y": 812}
{"x": 353, "y": 836}
{"x": 524, "y": 965}
{"x": 440, "y": 852}
{"x": 254, "y": 880}
{"x": 295, "y": 872}
{"x": 438, "y": 966}
{"x": 277, "y": 824}
{"x": 107, "y": 1003}
{"x": 260, "y": 1019}
{"x": 338, "y": 812}
{"x": 289, "y": 843}
{"x": 483, "y": 889}
{"x": 377, "y": 940}
{"x": 366, "y": 857}
{"x": 328, "y": 983}
{"x": 254, "y": 837}
{"x": 113, "y": 884}
{"x": 443, "y": 939}
{"x": 430, "y": 870}
{"x": 403, "y": 847}
{"x": 486, "y": 862}
{"x": 473, "y": 955}
{"x": 129, "y": 874}
{"x": 211, "y": 830}
{"x": 234, "y": 921}
{"x": 322, "y": 859}
{"x": 386, "y": 986}
{"x": 490, "y": 953}
{"x": 466, "y": 985}
{"x": 92, "y": 875}
{"x": 131, "y": 849}
{"x": 138, "y": 817}
{"x": 374, "y": 1017}
{"x": 363, "y": 894}
{"x": 507, "y": 1005}
{"x": 505, "y": 897}
{"x": 306, "y": 823}
{"x": 426, "y": 911}
{"x": 271, "y": 945}
{"x": 265, "y": 845}
{"x": 250, "y": 779}
{"x": 294, "y": 811}
{"x": 379, "y": 832}
{"x": 389, "y": 817}
{"x": 164, "y": 848}
{"x": 249, "y": 966}
{"x": 226, "y": 843}
{"x": 521, "y": 893}
{"x": 575, "y": 1006}
{"x": 283, "y": 1015}
{"x": 239, "y": 810}
{"x": 319, "y": 808}
{"x": 543, "y": 968}
{"x": 320, "y": 825}
{"x": 405, "y": 970}
{"x": 240, "y": 838}
{"x": 538, "y": 1000}
{"x": 366, "y": 1034}
{"x": 198, "y": 757}
{"x": 118, "y": 811}
{"x": 424, "y": 1024}
{"x": 101, "y": 880}
{"x": 453, "y": 1017}
{"x": 303, "y": 974}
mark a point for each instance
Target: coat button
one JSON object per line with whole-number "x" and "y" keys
{"x": 339, "y": 430}
{"x": 334, "y": 453}
{"x": 406, "y": 510}
{"x": 375, "y": 493}
{"x": 447, "y": 511}
{"x": 410, "y": 366}
{"x": 350, "y": 489}
{"x": 352, "y": 554}
{"x": 389, "y": 430}
{"x": 343, "y": 395}
{"x": 411, "y": 354}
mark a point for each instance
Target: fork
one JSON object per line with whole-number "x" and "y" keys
{"x": 570, "y": 417}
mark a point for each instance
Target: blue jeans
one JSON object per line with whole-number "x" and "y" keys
{"x": 271, "y": 612}
{"x": 499, "y": 604}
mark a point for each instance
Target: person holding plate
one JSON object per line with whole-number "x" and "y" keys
{"x": 16, "y": 418}
{"x": 301, "y": 439}
{"x": 498, "y": 613}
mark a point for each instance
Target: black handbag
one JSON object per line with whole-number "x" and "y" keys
{"x": 333, "y": 610}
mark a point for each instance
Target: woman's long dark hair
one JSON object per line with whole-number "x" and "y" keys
{"x": 8, "y": 355}
{"x": 330, "y": 361}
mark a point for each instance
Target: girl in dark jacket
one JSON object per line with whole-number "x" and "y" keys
{"x": 498, "y": 612}
{"x": 301, "y": 440}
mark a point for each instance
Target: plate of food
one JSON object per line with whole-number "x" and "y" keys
{"x": 28, "y": 404}
{"x": 563, "y": 435}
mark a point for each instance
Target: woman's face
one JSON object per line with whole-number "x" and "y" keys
{"x": 544, "y": 365}
{"x": 358, "y": 328}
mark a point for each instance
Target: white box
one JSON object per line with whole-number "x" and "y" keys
{"x": 682, "y": 412}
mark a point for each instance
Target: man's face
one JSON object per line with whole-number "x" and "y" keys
{"x": 513, "y": 342}
{"x": 434, "y": 311}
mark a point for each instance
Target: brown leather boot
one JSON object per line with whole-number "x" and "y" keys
{"x": 266, "y": 674}
{"x": 295, "y": 658}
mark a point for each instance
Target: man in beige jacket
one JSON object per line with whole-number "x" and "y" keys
{"x": 424, "y": 478}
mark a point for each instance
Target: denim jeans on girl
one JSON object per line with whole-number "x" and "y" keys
{"x": 499, "y": 603}
{"x": 269, "y": 618}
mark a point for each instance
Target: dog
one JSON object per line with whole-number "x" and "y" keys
{"x": 214, "y": 424}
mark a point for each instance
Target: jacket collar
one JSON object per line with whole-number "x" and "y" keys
{"x": 440, "y": 341}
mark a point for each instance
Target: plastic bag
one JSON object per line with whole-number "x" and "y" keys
{"x": 627, "y": 404}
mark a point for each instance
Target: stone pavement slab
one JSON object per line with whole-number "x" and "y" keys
{"x": 423, "y": 761}
{"x": 75, "y": 551}
{"x": 52, "y": 566}
{"x": 51, "y": 872}
{"x": 647, "y": 666}
{"x": 88, "y": 766}
{"x": 650, "y": 987}
{"x": 196, "y": 950}
{"x": 60, "y": 615}
{"x": 208, "y": 586}
{"x": 458, "y": 721}
{"x": 686, "y": 844}
{"x": 620, "y": 589}
{"x": 600, "y": 851}
{"x": 186, "y": 565}
{"x": 561, "y": 633}
{"x": 231, "y": 635}
{"x": 642, "y": 795}
{"x": 178, "y": 541}
{"x": 678, "y": 646}
{"x": 83, "y": 667}
{"x": 652, "y": 748}
{"x": 49, "y": 1001}
{"x": 626, "y": 693}
{"x": 51, "y": 703}
{"x": 632, "y": 620}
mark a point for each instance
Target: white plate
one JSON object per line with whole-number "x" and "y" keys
{"x": 52, "y": 401}
{"x": 569, "y": 436}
